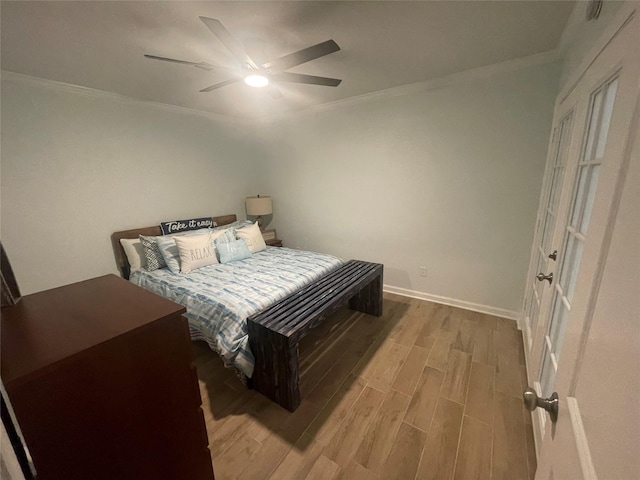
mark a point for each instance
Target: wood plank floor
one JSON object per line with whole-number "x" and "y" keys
{"x": 425, "y": 392}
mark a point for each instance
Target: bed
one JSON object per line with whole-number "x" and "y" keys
{"x": 220, "y": 297}
{"x": 254, "y": 309}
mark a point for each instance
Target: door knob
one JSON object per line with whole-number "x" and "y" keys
{"x": 541, "y": 276}
{"x": 532, "y": 401}
{"x": 553, "y": 255}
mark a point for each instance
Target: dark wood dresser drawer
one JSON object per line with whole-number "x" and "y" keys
{"x": 100, "y": 376}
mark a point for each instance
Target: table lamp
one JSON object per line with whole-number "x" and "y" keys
{"x": 258, "y": 206}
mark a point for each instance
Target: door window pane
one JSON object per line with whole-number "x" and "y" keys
{"x": 547, "y": 374}
{"x": 560, "y": 314}
{"x": 578, "y": 200}
{"x": 593, "y": 123}
{"x": 570, "y": 266}
{"x": 566, "y": 260}
{"x": 606, "y": 117}
{"x": 576, "y": 256}
{"x": 549, "y": 222}
{"x": 555, "y": 192}
{"x": 531, "y": 309}
{"x": 591, "y": 195}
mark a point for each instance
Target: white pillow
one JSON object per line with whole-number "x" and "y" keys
{"x": 169, "y": 249}
{"x": 196, "y": 252}
{"x": 134, "y": 251}
{"x": 253, "y": 237}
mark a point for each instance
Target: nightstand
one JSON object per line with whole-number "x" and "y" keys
{"x": 271, "y": 238}
{"x": 274, "y": 242}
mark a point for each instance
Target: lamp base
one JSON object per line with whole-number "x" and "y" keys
{"x": 260, "y": 222}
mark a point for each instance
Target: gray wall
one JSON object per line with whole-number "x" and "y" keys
{"x": 446, "y": 178}
{"x": 76, "y": 168}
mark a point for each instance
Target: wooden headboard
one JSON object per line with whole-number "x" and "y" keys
{"x": 118, "y": 251}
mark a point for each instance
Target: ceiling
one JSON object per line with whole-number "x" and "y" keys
{"x": 384, "y": 44}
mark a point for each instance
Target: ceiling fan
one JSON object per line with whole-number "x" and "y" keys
{"x": 260, "y": 75}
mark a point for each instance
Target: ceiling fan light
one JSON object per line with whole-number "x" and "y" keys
{"x": 256, "y": 80}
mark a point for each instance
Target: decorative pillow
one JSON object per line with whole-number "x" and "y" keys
{"x": 176, "y": 226}
{"x": 155, "y": 259}
{"x": 236, "y": 224}
{"x": 253, "y": 236}
{"x": 195, "y": 252}
{"x": 227, "y": 236}
{"x": 169, "y": 249}
{"x": 233, "y": 251}
{"x": 134, "y": 251}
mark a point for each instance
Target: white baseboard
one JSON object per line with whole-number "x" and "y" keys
{"x": 452, "y": 302}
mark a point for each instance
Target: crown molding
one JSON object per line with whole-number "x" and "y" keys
{"x": 408, "y": 89}
{"x": 119, "y": 98}
{"x": 431, "y": 84}
{"x": 624, "y": 17}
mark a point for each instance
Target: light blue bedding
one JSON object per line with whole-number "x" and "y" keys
{"x": 219, "y": 298}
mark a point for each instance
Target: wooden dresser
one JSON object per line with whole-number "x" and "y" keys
{"x": 100, "y": 376}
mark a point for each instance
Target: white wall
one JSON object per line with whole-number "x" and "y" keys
{"x": 446, "y": 178}
{"x": 77, "y": 167}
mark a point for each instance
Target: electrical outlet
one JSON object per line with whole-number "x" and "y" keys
{"x": 423, "y": 271}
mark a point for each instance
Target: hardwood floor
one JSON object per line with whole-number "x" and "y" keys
{"x": 425, "y": 392}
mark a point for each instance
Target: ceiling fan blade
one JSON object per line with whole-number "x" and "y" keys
{"x": 228, "y": 41}
{"x": 202, "y": 65}
{"x": 302, "y": 56}
{"x": 221, "y": 84}
{"x": 309, "y": 79}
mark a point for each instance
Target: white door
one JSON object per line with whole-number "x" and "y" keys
{"x": 572, "y": 349}
{"x": 544, "y": 255}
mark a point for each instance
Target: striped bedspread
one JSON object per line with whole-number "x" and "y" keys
{"x": 219, "y": 298}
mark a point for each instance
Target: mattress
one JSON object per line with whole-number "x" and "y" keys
{"x": 219, "y": 298}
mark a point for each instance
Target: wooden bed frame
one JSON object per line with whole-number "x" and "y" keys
{"x": 275, "y": 332}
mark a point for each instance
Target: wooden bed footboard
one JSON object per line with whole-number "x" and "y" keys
{"x": 275, "y": 332}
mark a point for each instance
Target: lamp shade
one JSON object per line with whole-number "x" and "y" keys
{"x": 259, "y": 205}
